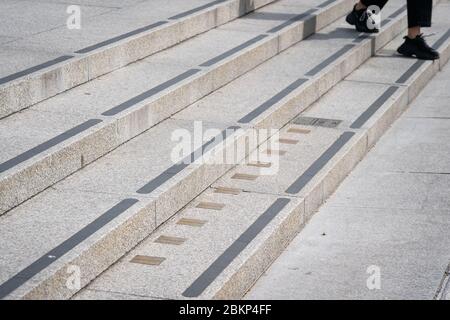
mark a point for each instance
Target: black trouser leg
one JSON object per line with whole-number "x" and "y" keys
{"x": 419, "y": 13}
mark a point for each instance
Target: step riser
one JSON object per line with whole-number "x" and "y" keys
{"x": 243, "y": 278}
{"x": 81, "y": 150}
{"x": 54, "y": 286}
{"x": 22, "y": 93}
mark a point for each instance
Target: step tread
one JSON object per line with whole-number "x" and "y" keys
{"x": 99, "y": 23}
{"x": 114, "y": 47}
{"x": 204, "y": 250}
{"x": 82, "y": 124}
{"x": 185, "y": 264}
{"x": 124, "y": 156}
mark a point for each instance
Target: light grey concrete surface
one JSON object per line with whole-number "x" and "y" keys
{"x": 392, "y": 212}
{"x": 184, "y": 263}
{"x": 114, "y": 171}
{"x": 106, "y": 42}
{"x": 99, "y": 95}
{"x": 40, "y": 32}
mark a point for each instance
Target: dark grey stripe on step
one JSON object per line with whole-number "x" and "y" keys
{"x": 147, "y": 94}
{"x": 48, "y": 144}
{"x": 397, "y": 12}
{"x": 311, "y": 172}
{"x": 439, "y": 42}
{"x": 408, "y": 73}
{"x": 301, "y": 16}
{"x": 121, "y": 37}
{"x": 50, "y": 257}
{"x": 197, "y": 9}
{"x": 366, "y": 115}
{"x": 38, "y": 67}
{"x": 169, "y": 173}
{"x": 233, "y": 51}
{"x": 329, "y": 60}
{"x": 269, "y": 103}
{"x": 227, "y": 257}
{"x": 326, "y": 3}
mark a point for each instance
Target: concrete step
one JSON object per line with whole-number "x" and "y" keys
{"x": 57, "y": 137}
{"x": 223, "y": 247}
{"x": 108, "y": 40}
{"x": 125, "y": 195}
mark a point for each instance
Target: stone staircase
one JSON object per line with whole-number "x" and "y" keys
{"x": 88, "y": 182}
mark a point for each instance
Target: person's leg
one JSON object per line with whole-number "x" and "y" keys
{"x": 359, "y": 17}
{"x": 419, "y": 15}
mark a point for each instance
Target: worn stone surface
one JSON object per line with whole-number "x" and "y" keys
{"x": 390, "y": 213}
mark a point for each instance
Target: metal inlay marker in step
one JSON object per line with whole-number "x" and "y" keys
{"x": 244, "y": 176}
{"x": 150, "y": 261}
{"x": 260, "y": 164}
{"x": 210, "y": 205}
{"x": 226, "y": 190}
{"x": 287, "y": 141}
{"x": 227, "y": 257}
{"x": 64, "y": 247}
{"x": 171, "y": 172}
{"x": 317, "y": 122}
{"x": 299, "y": 130}
{"x": 170, "y": 240}
{"x": 191, "y": 222}
{"x": 278, "y": 152}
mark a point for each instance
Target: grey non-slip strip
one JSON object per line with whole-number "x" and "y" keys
{"x": 233, "y": 51}
{"x": 442, "y": 39}
{"x": 326, "y": 3}
{"x": 269, "y": 103}
{"x": 366, "y": 115}
{"x": 189, "y": 12}
{"x": 329, "y": 60}
{"x": 297, "y": 18}
{"x": 169, "y": 173}
{"x": 121, "y": 37}
{"x": 408, "y": 73}
{"x": 227, "y": 257}
{"x": 28, "y": 71}
{"x": 147, "y": 94}
{"x": 361, "y": 38}
{"x": 397, "y": 12}
{"x": 309, "y": 174}
{"x": 50, "y": 257}
{"x": 47, "y": 145}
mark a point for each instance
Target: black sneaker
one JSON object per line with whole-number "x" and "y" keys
{"x": 418, "y": 48}
{"x": 360, "y": 19}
